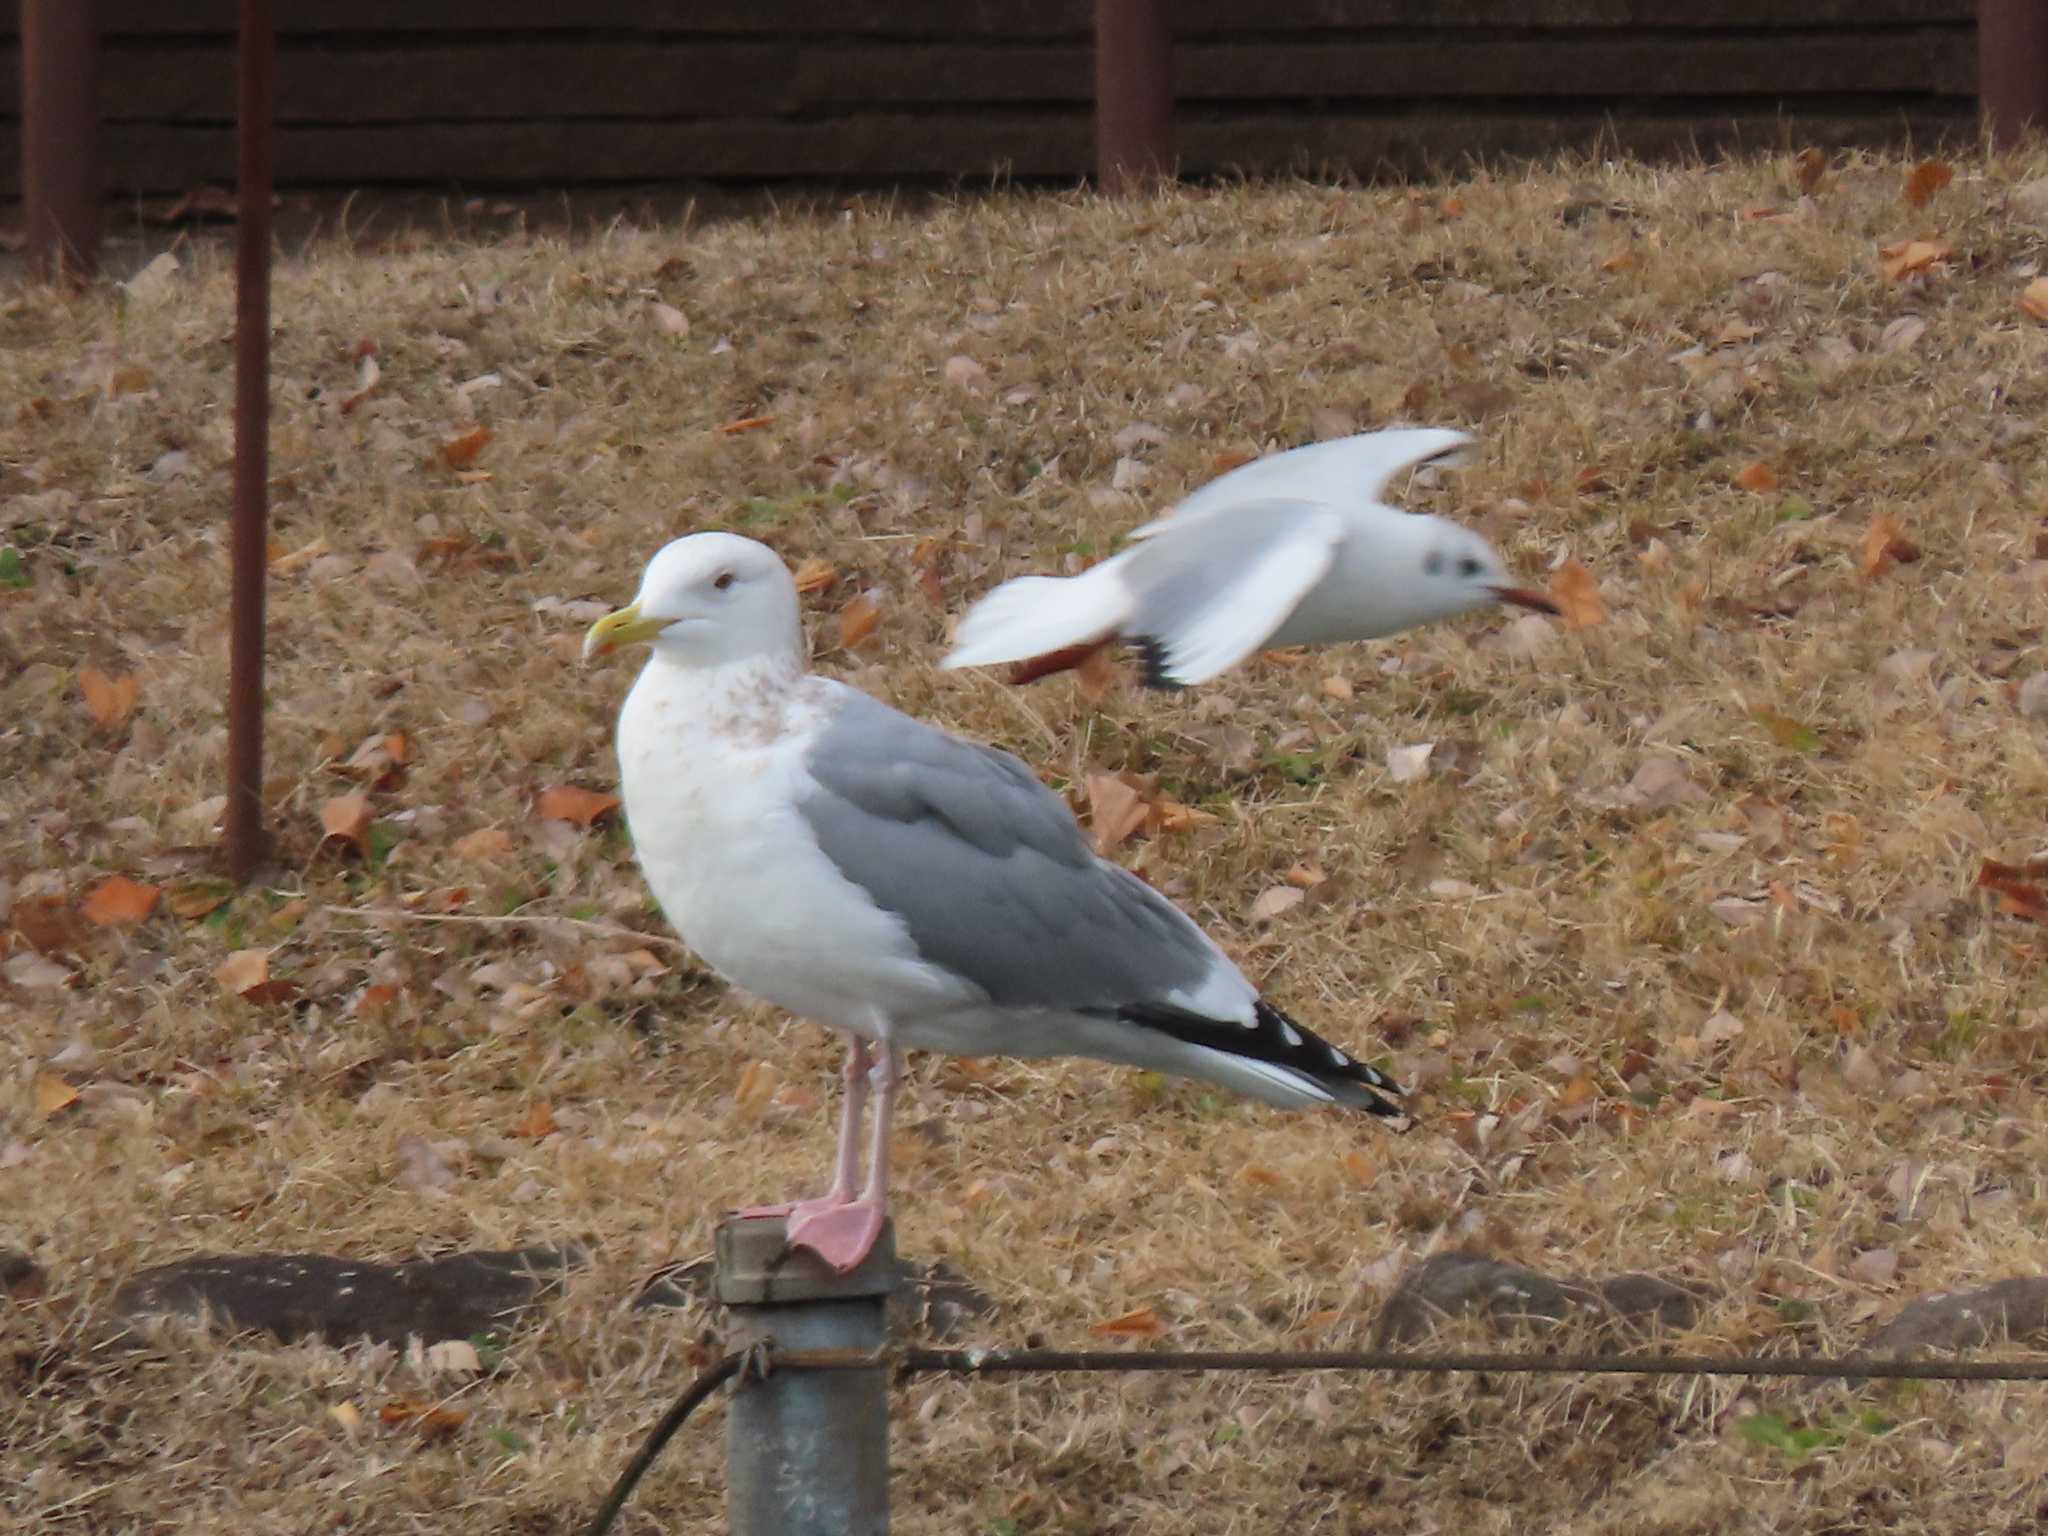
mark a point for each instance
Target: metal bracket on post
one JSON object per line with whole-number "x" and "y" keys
{"x": 807, "y": 1452}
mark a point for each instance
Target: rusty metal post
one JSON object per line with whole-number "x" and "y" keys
{"x": 1133, "y": 93}
{"x": 252, "y": 442}
{"x": 60, "y": 120}
{"x": 806, "y": 1451}
{"x": 2012, "y": 68}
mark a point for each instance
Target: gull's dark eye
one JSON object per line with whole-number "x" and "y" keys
{"x": 1468, "y": 567}
{"x": 724, "y": 580}
{"x": 1432, "y": 563}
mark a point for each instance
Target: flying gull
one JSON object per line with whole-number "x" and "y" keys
{"x": 910, "y": 889}
{"x": 1292, "y": 549}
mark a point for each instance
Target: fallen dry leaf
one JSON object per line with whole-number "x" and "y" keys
{"x": 1116, "y": 809}
{"x": 669, "y": 320}
{"x": 111, "y": 700}
{"x": 1908, "y": 258}
{"x": 243, "y": 971}
{"x": 857, "y": 620}
{"x": 746, "y": 424}
{"x": 199, "y": 898}
{"x": 1758, "y": 477}
{"x": 483, "y": 845}
{"x": 367, "y": 375}
{"x": 1277, "y": 900}
{"x": 2034, "y": 300}
{"x": 461, "y": 452}
{"x": 815, "y": 574}
{"x": 130, "y": 379}
{"x": 1096, "y": 674}
{"x": 2018, "y": 895}
{"x": 1808, "y": 167}
{"x": 420, "y": 1167}
{"x": 1926, "y": 179}
{"x": 346, "y": 818}
{"x": 572, "y": 803}
{"x": 1884, "y": 545}
{"x": 53, "y": 1094}
{"x": 118, "y": 899}
{"x": 538, "y": 1123}
{"x": 963, "y": 372}
{"x": 756, "y": 1089}
{"x": 1577, "y": 596}
{"x": 427, "y": 1420}
{"x": 1407, "y": 764}
{"x": 1141, "y": 1323}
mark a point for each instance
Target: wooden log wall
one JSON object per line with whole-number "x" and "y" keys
{"x": 474, "y": 94}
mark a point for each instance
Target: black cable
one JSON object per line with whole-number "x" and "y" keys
{"x": 988, "y": 1362}
{"x": 712, "y": 1379}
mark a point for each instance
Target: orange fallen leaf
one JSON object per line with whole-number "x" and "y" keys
{"x": 570, "y": 802}
{"x": 1306, "y": 875}
{"x": 1884, "y": 545}
{"x": 461, "y": 452}
{"x": 1261, "y": 1175}
{"x": 483, "y": 845}
{"x": 132, "y": 379}
{"x": 1926, "y": 179}
{"x": 199, "y": 898}
{"x": 1758, "y": 477}
{"x": 1577, "y": 596}
{"x": 1141, "y": 1323}
{"x": 1360, "y": 1167}
{"x": 815, "y": 574}
{"x": 1580, "y": 1090}
{"x": 1622, "y": 260}
{"x": 1808, "y": 167}
{"x": 1910, "y": 257}
{"x": 110, "y": 699}
{"x": 347, "y": 818}
{"x": 757, "y": 1085}
{"x": 427, "y": 1420}
{"x": 53, "y": 1094}
{"x": 2034, "y": 300}
{"x": 857, "y": 620}
{"x": 283, "y": 564}
{"x": 243, "y": 971}
{"x": 121, "y": 900}
{"x": 375, "y": 1000}
{"x": 1231, "y": 458}
{"x": 538, "y": 1123}
{"x": 746, "y": 424}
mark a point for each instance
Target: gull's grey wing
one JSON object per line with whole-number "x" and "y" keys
{"x": 988, "y": 871}
{"x": 1208, "y": 591}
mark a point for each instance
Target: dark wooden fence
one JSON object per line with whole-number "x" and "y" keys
{"x": 497, "y": 93}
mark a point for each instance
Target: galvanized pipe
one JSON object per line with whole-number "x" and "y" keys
{"x": 807, "y": 1452}
{"x": 60, "y": 119}
{"x": 1133, "y": 94}
{"x": 245, "y": 837}
{"x": 2012, "y": 68}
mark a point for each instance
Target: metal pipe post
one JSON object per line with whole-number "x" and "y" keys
{"x": 1133, "y": 94}
{"x": 252, "y": 443}
{"x": 806, "y": 1452}
{"x": 2012, "y": 68}
{"x": 60, "y": 121}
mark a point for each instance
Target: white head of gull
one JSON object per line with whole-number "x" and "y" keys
{"x": 909, "y": 889}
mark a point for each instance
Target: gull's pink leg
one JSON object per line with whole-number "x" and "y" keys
{"x": 844, "y": 1235}
{"x": 844, "y": 1169}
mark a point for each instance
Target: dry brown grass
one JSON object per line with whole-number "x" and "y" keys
{"x": 1509, "y": 925}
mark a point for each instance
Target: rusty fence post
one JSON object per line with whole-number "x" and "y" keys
{"x": 60, "y": 119}
{"x": 2012, "y": 68}
{"x": 257, "y": 64}
{"x": 1133, "y": 93}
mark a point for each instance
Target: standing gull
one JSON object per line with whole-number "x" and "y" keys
{"x": 912, "y": 890}
{"x": 1293, "y": 549}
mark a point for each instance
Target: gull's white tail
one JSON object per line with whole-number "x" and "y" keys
{"x": 1036, "y": 615}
